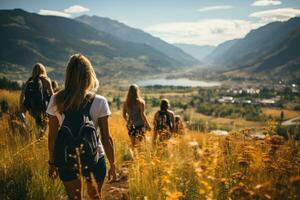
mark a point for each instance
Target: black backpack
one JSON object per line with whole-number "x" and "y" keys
{"x": 163, "y": 122}
{"x": 35, "y": 96}
{"x": 77, "y": 140}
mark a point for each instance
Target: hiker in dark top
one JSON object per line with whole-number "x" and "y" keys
{"x": 134, "y": 114}
{"x": 163, "y": 122}
{"x": 36, "y": 94}
{"x": 79, "y": 136}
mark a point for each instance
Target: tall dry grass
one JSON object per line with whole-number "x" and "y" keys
{"x": 193, "y": 166}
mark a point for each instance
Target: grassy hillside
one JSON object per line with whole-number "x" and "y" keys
{"x": 194, "y": 166}
{"x": 27, "y": 38}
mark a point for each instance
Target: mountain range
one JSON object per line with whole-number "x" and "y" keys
{"x": 126, "y": 33}
{"x": 270, "y": 51}
{"x": 27, "y": 38}
{"x": 117, "y": 50}
{"x": 197, "y": 51}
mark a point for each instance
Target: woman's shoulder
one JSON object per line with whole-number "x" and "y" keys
{"x": 141, "y": 101}
{"x": 45, "y": 79}
{"x": 53, "y": 97}
{"x": 170, "y": 112}
{"x": 99, "y": 99}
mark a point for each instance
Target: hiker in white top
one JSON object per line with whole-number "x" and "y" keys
{"x": 77, "y": 102}
{"x": 99, "y": 109}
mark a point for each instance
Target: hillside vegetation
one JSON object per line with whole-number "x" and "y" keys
{"x": 193, "y": 166}
{"x": 27, "y": 38}
{"x": 261, "y": 54}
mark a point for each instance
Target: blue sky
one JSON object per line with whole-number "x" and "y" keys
{"x": 185, "y": 21}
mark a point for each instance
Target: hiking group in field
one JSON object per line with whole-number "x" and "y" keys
{"x": 77, "y": 121}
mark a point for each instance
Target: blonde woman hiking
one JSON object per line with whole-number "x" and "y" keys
{"x": 35, "y": 96}
{"x": 75, "y": 115}
{"x": 134, "y": 114}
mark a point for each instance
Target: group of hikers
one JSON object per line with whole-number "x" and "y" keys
{"x": 165, "y": 123}
{"x": 77, "y": 118}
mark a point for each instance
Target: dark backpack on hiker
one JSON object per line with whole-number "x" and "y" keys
{"x": 163, "y": 122}
{"x": 77, "y": 141}
{"x": 35, "y": 96}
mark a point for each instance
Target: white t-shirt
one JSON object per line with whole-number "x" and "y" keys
{"x": 99, "y": 108}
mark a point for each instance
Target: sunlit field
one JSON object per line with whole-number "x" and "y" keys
{"x": 196, "y": 165}
{"x": 287, "y": 114}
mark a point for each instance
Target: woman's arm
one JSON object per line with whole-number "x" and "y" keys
{"x": 48, "y": 85}
{"x": 22, "y": 97}
{"x": 53, "y": 130}
{"x": 155, "y": 129}
{"x": 142, "y": 109}
{"x": 124, "y": 111}
{"x": 108, "y": 146}
{"x": 173, "y": 121}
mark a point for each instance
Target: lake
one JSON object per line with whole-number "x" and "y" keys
{"x": 178, "y": 82}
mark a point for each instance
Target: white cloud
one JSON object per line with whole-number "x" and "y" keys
{"x": 266, "y": 3}
{"x": 67, "y": 12}
{"x": 53, "y": 13}
{"x": 203, "y": 32}
{"x": 211, "y": 8}
{"x": 76, "y": 9}
{"x": 281, "y": 14}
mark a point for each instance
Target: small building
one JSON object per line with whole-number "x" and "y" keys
{"x": 226, "y": 100}
{"x": 266, "y": 102}
{"x": 246, "y": 101}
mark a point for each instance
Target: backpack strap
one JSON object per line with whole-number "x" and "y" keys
{"x": 88, "y": 105}
{"x": 168, "y": 118}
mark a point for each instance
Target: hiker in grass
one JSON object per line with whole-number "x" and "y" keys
{"x": 134, "y": 114}
{"x": 178, "y": 125}
{"x": 76, "y": 146}
{"x": 35, "y": 96}
{"x": 164, "y": 121}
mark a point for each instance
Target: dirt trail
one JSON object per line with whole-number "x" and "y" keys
{"x": 118, "y": 190}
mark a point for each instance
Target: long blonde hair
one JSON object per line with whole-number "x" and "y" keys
{"x": 80, "y": 81}
{"x": 133, "y": 96}
{"x": 38, "y": 70}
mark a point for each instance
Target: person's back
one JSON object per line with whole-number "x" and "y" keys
{"x": 75, "y": 117}
{"x": 163, "y": 122}
{"x": 35, "y": 96}
{"x": 134, "y": 115}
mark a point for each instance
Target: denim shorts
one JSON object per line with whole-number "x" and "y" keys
{"x": 98, "y": 171}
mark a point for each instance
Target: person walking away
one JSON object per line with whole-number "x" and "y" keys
{"x": 179, "y": 128}
{"x": 134, "y": 114}
{"x": 76, "y": 114}
{"x": 163, "y": 122}
{"x": 35, "y": 96}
